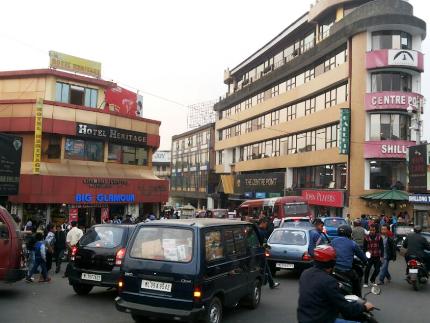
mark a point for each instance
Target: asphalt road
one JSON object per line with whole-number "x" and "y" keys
{"x": 56, "y": 302}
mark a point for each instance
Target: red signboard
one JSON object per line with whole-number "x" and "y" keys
{"x": 392, "y": 100}
{"x": 387, "y": 148}
{"x": 324, "y": 198}
{"x": 395, "y": 57}
{"x": 123, "y": 102}
{"x": 73, "y": 215}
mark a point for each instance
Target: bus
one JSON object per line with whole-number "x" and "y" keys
{"x": 277, "y": 207}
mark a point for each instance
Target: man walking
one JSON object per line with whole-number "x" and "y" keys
{"x": 374, "y": 245}
{"x": 49, "y": 241}
{"x": 317, "y": 236}
{"x": 59, "y": 247}
{"x": 72, "y": 239}
{"x": 39, "y": 260}
{"x": 389, "y": 254}
{"x": 264, "y": 236}
{"x": 358, "y": 233}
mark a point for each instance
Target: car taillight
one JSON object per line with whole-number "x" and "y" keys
{"x": 413, "y": 263}
{"x": 119, "y": 257}
{"x": 267, "y": 253}
{"x": 73, "y": 253}
{"x": 197, "y": 293}
{"x": 306, "y": 256}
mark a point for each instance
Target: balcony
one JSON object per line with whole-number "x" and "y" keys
{"x": 410, "y": 59}
{"x": 387, "y": 149}
{"x": 392, "y": 101}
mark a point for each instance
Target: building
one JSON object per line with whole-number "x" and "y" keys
{"x": 161, "y": 164}
{"x": 321, "y": 109}
{"x": 193, "y": 165}
{"x": 87, "y": 154}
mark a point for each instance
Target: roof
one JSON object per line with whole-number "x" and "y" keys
{"x": 193, "y": 131}
{"x": 60, "y": 74}
{"x": 390, "y": 195}
{"x": 198, "y": 222}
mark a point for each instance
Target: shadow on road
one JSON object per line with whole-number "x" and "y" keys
{"x": 11, "y": 293}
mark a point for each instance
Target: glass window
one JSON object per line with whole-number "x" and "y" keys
{"x": 77, "y": 149}
{"x": 103, "y": 237}
{"x": 163, "y": 243}
{"x": 127, "y": 155}
{"x": 389, "y": 127}
{"x": 391, "y": 39}
{"x": 213, "y": 246}
{"x": 54, "y": 147}
{"x": 391, "y": 81}
{"x": 387, "y": 174}
{"x": 288, "y": 237}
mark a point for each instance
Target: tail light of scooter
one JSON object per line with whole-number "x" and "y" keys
{"x": 120, "y": 257}
{"x": 73, "y": 253}
{"x": 413, "y": 263}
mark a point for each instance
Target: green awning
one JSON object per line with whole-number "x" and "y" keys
{"x": 391, "y": 195}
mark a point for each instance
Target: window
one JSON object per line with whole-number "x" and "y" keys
{"x": 330, "y": 98}
{"x": 237, "y": 130}
{"x": 275, "y": 90}
{"x": 248, "y": 104}
{"x": 330, "y": 64}
{"x": 309, "y": 74}
{"x": 391, "y": 81}
{"x": 389, "y": 39}
{"x": 389, "y": 127}
{"x": 103, "y": 237}
{"x": 291, "y": 83}
{"x": 321, "y": 176}
{"x": 163, "y": 243}
{"x": 291, "y": 112}
{"x": 324, "y": 27}
{"x": 275, "y": 117}
{"x": 260, "y": 97}
{"x": 331, "y": 136}
{"x": 309, "y": 106}
{"x": 127, "y": 155}
{"x": 54, "y": 147}
{"x": 213, "y": 246}
{"x": 220, "y": 153}
{"x": 74, "y": 94}
{"x": 239, "y": 241}
{"x": 387, "y": 174}
{"x": 251, "y": 237}
{"x": 229, "y": 243}
{"x": 77, "y": 149}
{"x": 289, "y": 237}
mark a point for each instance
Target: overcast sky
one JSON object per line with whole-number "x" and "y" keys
{"x": 177, "y": 50}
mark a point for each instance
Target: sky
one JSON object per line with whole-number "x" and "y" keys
{"x": 174, "y": 52}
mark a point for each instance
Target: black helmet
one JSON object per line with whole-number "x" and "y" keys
{"x": 418, "y": 229}
{"x": 345, "y": 231}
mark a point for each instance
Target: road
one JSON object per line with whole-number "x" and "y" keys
{"x": 56, "y": 302}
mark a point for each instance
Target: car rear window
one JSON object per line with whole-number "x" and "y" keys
{"x": 291, "y": 209}
{"x": 290, "y": 223}
{"x": 103, "y": 237}
{"x": 163, "y": 243}
{"x": 334, "y": 222}
{"x": 288, "y": 237}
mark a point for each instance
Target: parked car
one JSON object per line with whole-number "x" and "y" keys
{"x": 190, "y": 269}
{"x": 97, "y": 258}
{"x": 293, "y": 222}
{"x": 288, "y": 249}
{"x": 331, "y": 224}
{"x": 12, "y": 253}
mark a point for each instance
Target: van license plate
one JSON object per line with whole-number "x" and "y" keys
{"x": 93, "y": 277}
{"x": 159, "y": 286}
{"x": 284, "y": 266}
{"x": 413, "y": 271}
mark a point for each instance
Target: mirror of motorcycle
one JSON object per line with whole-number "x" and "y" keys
{"x": 375, "y": 290}
{"x": 368, "y": 254}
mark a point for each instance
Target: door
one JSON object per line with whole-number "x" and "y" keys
{"x": 5, "y": 247}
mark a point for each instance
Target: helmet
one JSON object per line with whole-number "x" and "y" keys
{"x": 324, "y": 254}
{"x": 418, "y": 229}
{"x": 345, "y": 231}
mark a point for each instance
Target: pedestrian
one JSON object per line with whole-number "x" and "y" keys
{"x": 28, "y": 226}
{"x": 263, "y": 233}
{"x": 59, "y": 247}
{"x": 72, "y": 239}
{"x": 348, "y": 219}
{"x": 364, "y": 222}
{"x": 50, "y": 242}
{"x": 317, "y": 236}
{"x": 389, "y": 254}
{"x": 30, "y": 244}
{"x": 39, "y": 260}
{"x": 374, "y": 245}
{"x": 127, "y": 219}
{"x": 358, "y": 233}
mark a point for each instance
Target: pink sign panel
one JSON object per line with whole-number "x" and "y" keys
{"x": 395, "y": 57}
{"x": 392, "y": 100}
{"x": 387, "y": 148}
{"x": 324, "y": 198}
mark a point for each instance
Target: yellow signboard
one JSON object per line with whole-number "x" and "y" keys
{"x": 74, "y": 64}
{"x": 37, "y": 152}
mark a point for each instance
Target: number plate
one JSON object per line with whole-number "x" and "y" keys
{"x": 413, "y": 271}
{"x": 284, "y": 266}
{"x": 158, "y": 286}
{"x": 93, "y": 277}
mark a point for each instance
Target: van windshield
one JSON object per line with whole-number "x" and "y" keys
{"x": 163, "y": 243}
{"x": 293, "y": 209}
{"x": 102, "y": 237}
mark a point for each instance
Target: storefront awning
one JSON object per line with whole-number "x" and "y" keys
{"x": 390, "y": 195}
{"x": 227, "y": 184}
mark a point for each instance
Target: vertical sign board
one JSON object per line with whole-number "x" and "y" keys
{"x": 10, "y": 164}
{"x": 37, "y": 152}
{"x": 345, "y": 122}
{"x": 417, "y": 167}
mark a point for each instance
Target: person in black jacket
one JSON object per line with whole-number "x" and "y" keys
{"x": 320, "y": 300}
{"x": 389, "y": 253}
{"x": 59, "y": 247}
{"x": 416, "y": 245}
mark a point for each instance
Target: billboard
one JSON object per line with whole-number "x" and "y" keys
{"x": 10, "y": 164}
{"x": 417, "y": 168}
{"x": 261, "y": 183}
{"x": 37, "y": 150}
{"x": 123, "y": 101}
{"x": 74, "y": 64}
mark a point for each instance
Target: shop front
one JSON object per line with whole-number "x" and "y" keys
{"x": 325, "y": 202}
{"x": 421, "y": 208}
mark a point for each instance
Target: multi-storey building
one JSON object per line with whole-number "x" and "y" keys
{"x": 161, "y": 160}
{"x": 91, "y": 159}
{"x": 321, "y": 109}
{"x": 193, "y": 161}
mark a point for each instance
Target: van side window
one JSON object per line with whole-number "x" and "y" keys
{"x": 239, "y": 241}
{"x": 229, "y": 243}
{"x": 276, "y": 211}
{"x": 4, "y": 232}
{"x": 252, "y": 238}
{"x": 213, "y": 246}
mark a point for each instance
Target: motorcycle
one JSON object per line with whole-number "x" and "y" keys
{"x": 364, "y": 317}
{"x": 417, "y": 274}
{"x": 358, "y": 267}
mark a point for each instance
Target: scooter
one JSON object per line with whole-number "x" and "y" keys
{"x": 417, "y": 274}
{"x": 364, "y": 317}
{"x": 357, "y": 266}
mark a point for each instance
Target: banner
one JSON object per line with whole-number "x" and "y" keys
{"x": 123, "y": 101}
{"x": 73, "y": 215}
{"x": 74, "y": 64}
{"x": 261, "y": 183}
{"x": 345, "y": 121}
{"x": 417, "y": 167}
{"x": 37, "y": 151}
{"x": 10, "y": 164}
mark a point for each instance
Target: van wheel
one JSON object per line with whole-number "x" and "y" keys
{"x": 82, "y": 289}
{"x": 254, "y": 296}
{"x": 214, "y": 311}
{"x": 138, "y": 318}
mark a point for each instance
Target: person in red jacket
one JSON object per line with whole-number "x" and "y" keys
{"x": 373, "y": 244}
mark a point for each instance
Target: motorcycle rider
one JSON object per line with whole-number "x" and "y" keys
{"x": 320, "y": 300}
{"x": 317, "y": 236}
{"x": 346, "y": 249}
{"x": 415, "y": 244}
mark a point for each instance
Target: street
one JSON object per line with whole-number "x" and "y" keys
{"x": 56, "y": 302}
